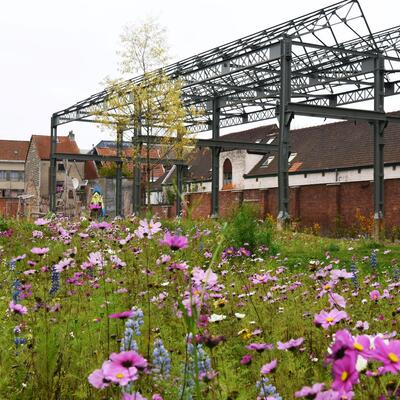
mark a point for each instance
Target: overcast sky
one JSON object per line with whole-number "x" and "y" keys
{"x": 54, "y": 53}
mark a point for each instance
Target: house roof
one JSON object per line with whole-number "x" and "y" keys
{"x": 157, "y": 169}
{"x": 340, "y": 145}
{"x": 64, "y": 145}
{"x": 199, "y": 160}
{"x": 90, "y": 170}
{"x": 13, "y": 150}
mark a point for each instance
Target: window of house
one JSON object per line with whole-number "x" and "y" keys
{"x": 16, "y": 176}
{"x": 227, "y": 172}
{"x": 267, "y": 161}
{"x": 60, "y": 167}
{"x": 3, "y": 175}
{"x": 292, "y": 156}
{"x": 270, "y": 140}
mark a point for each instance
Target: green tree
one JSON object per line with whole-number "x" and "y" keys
{"x": 151, "y": 104}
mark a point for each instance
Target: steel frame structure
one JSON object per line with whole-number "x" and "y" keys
{"x": 310, "y": 65}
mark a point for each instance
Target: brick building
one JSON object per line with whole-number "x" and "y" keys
{"x": 330, "y": 175}
{"x": 37, "y": 174}
{"x": 12, "y": 166}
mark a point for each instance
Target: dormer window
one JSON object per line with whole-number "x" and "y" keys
{"x": 270, "y": 140}
{"x": 291, "y": 157}
{"x": 267, "y": 161}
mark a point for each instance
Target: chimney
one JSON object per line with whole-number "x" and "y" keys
{"x": 71, "y": 135}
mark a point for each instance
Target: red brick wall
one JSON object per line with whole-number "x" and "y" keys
{"x": 332, "y": 207}
{"x": 8, "y": 207}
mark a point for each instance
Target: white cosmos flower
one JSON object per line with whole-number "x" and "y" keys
{"x": 216, "y": 317}
{"x": 239, "y": 315}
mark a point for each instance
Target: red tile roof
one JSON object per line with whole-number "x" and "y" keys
{"x": 157, "y": 169}
{"x": 64, "y": 145}
{"x": 90, "y": 170}
{"x": 13, "y": 150}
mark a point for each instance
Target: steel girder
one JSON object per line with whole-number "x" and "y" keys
{"x": 332, "y": 62}
{"x": 244, "y": 74}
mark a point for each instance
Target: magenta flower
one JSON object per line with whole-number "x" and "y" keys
{"x": 260, "y": 347}
{"x": 388, "y": 354}
{"x": 17, "y": 308}
{"x": 157, "y": 397}
{"x": 291, "y": 344}
{"x": 129, "y": 359}
{"x": 246, "y": 359}
{"x": 344, "y": 372}
{"x": 309, "y": 392}
{"x": 374, "y": 295}
{"x": 40, "y": 251}
{"x": 98, "y": 380}
{"x": 116, "y": 373}
{"x": 175, "y": 242}
{"x": 327, "y": 319}
{"x": 269, "y": 367}
{"x": 122, "y": 315}
{"x": 133, "y": 396}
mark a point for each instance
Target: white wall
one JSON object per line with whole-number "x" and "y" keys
{"x": 366, "y": 174}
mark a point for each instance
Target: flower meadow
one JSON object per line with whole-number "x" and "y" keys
{"x": 148, "y": 309}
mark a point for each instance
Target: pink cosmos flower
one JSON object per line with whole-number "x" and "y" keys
{"x": 309, "y": 392}
{"x": 134, "y": 396}
{"x": 336, "y": 300}
{"x": 129, "y": 359}
{"x": 98, "y": 380}
{"x": 344, "y": 372}
{"x": 269, "y": 367}
{"x": 334, "y": 395}
{"x": 40, "y": 251}
{"x": 337, "y": 274}
{"x": 246, "y": 359}
{"x": 17, "y": 308}
{"x": 201, "y": 277}
{"x": 327, "y": 319}
{"x": 260, "y": 347}
{"x": 291, "y": 344}
{"x": 163, "y": 259}
{"x": 157, "y": 397}
{"x": 42, "y": 221}
{"x": 147, "y": 229}
{"x": 388, "y": 354}
{"x": 262, "y": 278}
{"x": 175, "y": 242}
{"x": 116, "y": 373}
{"x": 29, "y": 272}
{"x": 100, "y": 225}
{"x": 122, "y": 315}
{"x": 374, "y": 295}
{"x": 63, "y": 264}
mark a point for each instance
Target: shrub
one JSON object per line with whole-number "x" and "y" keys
{"x": 245, "y": 229}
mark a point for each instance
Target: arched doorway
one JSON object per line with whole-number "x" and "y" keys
{"x": 227, "y": 174}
